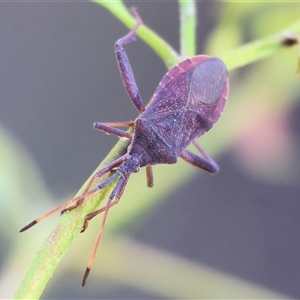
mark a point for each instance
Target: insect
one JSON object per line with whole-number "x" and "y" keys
{"x": 187, "y": 103}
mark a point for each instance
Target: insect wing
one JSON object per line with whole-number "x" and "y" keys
{"x": 207, "y": 82}
{"x": 208, "y": 91}
{"x": 188, "y": 100}
{"x": 165, "y": 111}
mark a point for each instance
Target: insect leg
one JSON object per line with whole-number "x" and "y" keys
{"x": 82, "y": 197}
{"x": 205, "y": 154}
{"x": 116, "y": 194}
{"x": 108, "y": 128}
{"x": 58, "y": 208}
{"x": 91, "y": 215}
{"x": 124, "y": 65}
{"x": 73, "y": 203}
{"x": 149, "y": 174}
{"x": 206, "y": 162}
{"x": 99, "y": 173}
{"x": 119, "y": 124}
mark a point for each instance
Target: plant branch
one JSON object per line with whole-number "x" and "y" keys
{"x": 61, "y": 238}
{"x": 259, "y": 49}
{"x": 188, "y": 24}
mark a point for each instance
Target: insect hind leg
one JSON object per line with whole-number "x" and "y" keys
{"x": 97, "y": 174}
{"x": 124, "y": 65}
{"x": 205, "y": 163}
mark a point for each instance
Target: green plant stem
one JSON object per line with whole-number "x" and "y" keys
{"x": 188, "y": 23}
{"x": 70, "y": 224}
{"x": 259, "y": 49}
{"x": 61, "y": 238}
{"x": 214, "y": 284}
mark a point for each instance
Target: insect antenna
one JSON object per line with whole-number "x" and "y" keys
{"x": 61, "y": 207}
{"x": 115, "y": 194}
{"x": 73, "y": 203}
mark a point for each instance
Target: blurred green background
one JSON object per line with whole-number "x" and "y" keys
{"x": 232, "y": 235}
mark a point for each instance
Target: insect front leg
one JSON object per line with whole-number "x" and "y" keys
{"x": 113, "y": 200}
{"x": 88, "y": 190}
{"x": 205, "y": 163}
{"x": 115, "y": 194}
{"x": 124, "y": 65}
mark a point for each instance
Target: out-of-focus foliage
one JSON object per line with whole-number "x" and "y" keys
{"x": 255, "y": 124}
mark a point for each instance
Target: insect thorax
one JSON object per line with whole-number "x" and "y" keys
{"x": 150, "y": 146}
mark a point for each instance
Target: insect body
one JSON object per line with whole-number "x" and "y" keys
{"x": 185, "y": 105}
